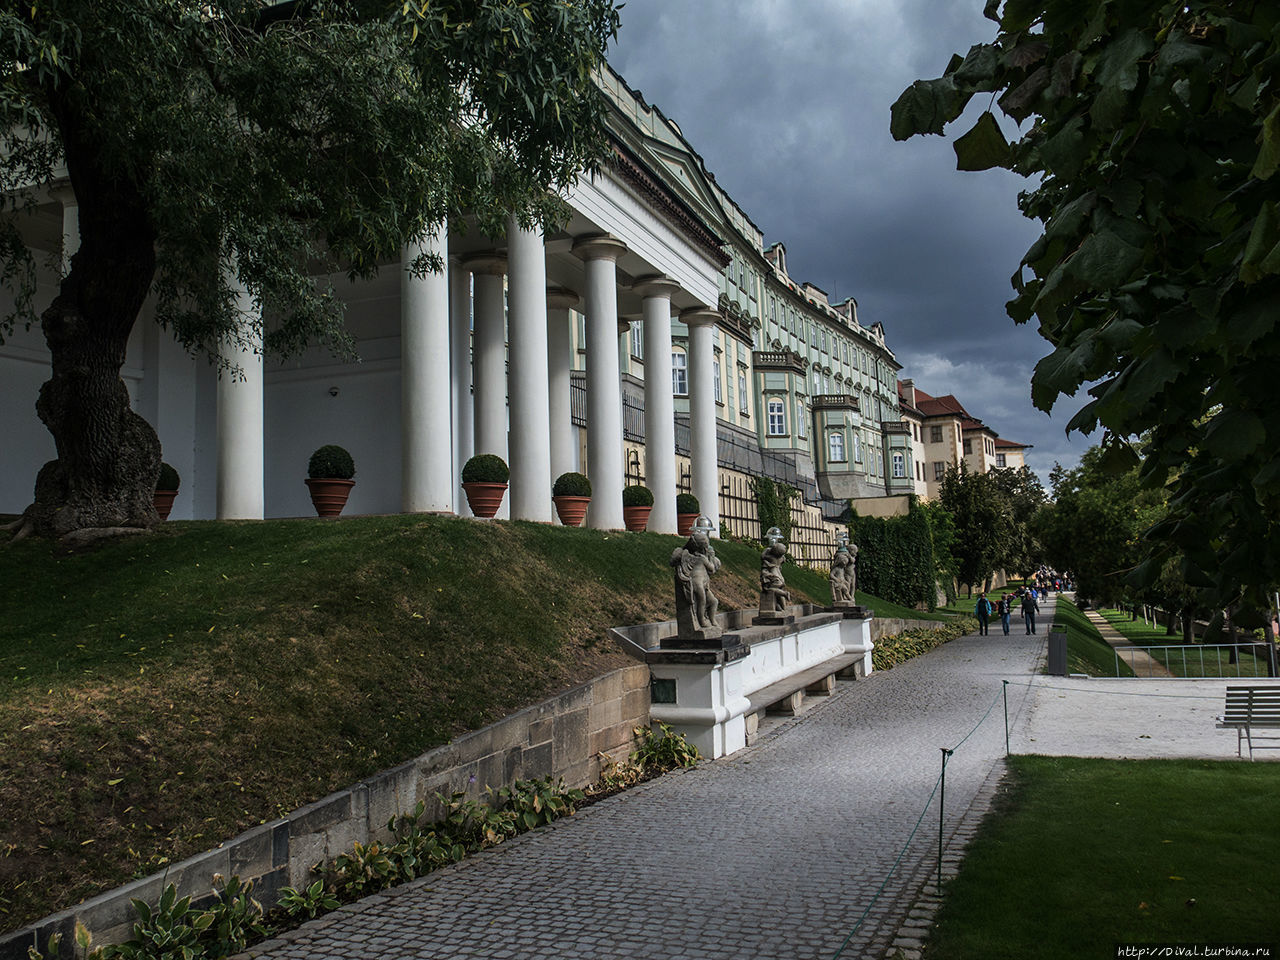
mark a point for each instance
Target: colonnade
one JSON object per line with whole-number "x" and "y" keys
{"x": 505, "y": 388}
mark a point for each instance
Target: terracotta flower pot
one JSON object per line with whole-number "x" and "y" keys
{"x": 163, "y": 502}
{"x": 329, "y": 496}
{"x": 572, "y": 510}
{"x": 485, "y": 498}
{"x": 636, "y": 518}
{"x": 685, "y": 522}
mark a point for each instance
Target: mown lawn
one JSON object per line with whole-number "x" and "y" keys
{"x": 1080, "y": 855}
{"x": 1184, "y": 660}
{"x": 1087, "y": 652}
{"x": 160, "y": 694}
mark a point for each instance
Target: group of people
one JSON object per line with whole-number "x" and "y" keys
{"x": 1025, "y": 598}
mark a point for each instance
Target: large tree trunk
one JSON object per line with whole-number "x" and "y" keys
{"x": 108, "y": 456}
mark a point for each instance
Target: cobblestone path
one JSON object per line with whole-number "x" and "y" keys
{"x": 773, "y": 853}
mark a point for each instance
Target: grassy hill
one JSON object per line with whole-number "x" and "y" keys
{"x": 159, "y": 694}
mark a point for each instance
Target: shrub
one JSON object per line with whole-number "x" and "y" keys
{"x": 485, "y": 468}
{"x": 168, "y": 479}
{"x": 331, "y": 462}
{"x": 637, "y": 495}
{"x": 571, "y": 485}
{"x": 687, "y": 503}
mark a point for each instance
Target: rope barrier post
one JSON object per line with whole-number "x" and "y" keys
{"x": 1006, "y": 718}
{"x": 942, "y": 808}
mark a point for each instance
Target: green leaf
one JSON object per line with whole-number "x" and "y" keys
{"x": 1104, "y": 261}
{"x": 991, "y": 10}
{"x": 1117, "y": 71}
{"x": 1269, "y": 152}
{"x": 1262, "y": 251}
{"x": 978, "y": 70}
{"x": 926, "y": 107}
{"x": 1061, "y": 372}
{"x": 1064, "y": 152}
{"x": 983, "y": 147}
{"x": 1235, "y": 434}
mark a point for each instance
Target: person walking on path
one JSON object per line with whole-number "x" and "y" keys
{"x": 1004, "y": 608}
{"x": 982, "y": 610}
{"x": 1029, "y": 610}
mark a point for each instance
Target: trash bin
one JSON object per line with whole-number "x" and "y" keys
{"x": 1057, "y": 651}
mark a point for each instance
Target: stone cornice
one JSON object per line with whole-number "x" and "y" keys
{"x": 630, "y": 169}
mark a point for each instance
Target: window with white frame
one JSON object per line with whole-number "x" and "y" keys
{"x": 857, "y": 449}
{"x": 802, "y": 418}
{"x": 835, "y": 447}
{"x": 715, "y": 372}
{"x": 743, "y": 407}
{"x": 899, "y": 465}
{"x": 879, "y": 464}
{"x": 637, "y": 339}
{"x": 679, "y": 373}
{"x": 1000, "y": 460}
{"x": 777, "y": 416}
{"x": 935, "y": 434}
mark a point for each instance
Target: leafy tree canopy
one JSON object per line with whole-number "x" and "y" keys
{"x": 272, "y": 141}
{"x": 1154, "y": 132}
{"x": 984, "y": 522}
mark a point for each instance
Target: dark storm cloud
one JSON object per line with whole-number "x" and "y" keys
{"x": 788, "y": 103}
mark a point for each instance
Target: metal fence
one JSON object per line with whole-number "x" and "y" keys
{"x": 1199, "y": 661}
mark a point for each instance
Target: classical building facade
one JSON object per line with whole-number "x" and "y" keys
{"x": 652, "y": 338}
{"x": 946, "y": 435}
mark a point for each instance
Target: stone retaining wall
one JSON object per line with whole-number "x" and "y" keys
{"x": 562, "y": 737}
{"x": 891, "y": 627}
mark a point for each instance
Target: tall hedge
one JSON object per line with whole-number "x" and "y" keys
{"x": 895, "y": 557}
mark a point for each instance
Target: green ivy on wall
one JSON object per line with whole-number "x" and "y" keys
{"x": 773, "y": 505}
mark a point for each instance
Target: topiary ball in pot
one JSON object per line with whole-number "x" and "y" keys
{"x": 329, "y": 478}
{"x": 484, "y": 478}
{"x": 637, "y": 495}
{"x": 637, "y": 501}
{"x": 168, "y": 479}
{"x": 331, "y": 462}
{"x": 485, "y": 468}
{"x": 687, "y": 510}
{"x": 166, "y": 491}
{"x": 571, "y": 485}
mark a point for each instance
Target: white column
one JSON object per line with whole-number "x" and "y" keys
{"x": 489, "y": 356}
{"x": 701, "y": 322}
{"x": 70, "y": 224}
{"x": 659, "y": 407}
{"x": 604, "y": 385}
{"x": 426, "y": 419}
{"x": 564, "y": 440}
{"x": 240, "y": 486}
{"x": 530, "y": 433}
{"x": 460, "y": 368}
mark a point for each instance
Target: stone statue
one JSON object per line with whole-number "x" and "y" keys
{"x": 844, "y": 574}
{"x": 696, "y": 605}
{"x": 774, "y": 595}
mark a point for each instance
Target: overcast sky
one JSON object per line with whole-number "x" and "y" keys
{"x": 788, "y": 103}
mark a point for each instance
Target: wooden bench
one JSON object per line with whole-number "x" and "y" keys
{"x": 1252, "y": 706}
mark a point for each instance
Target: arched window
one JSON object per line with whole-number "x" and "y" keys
{"x": 899, "y": 465}
{"x": 857, "y": 448}
{"x": 835, "y": 447}
{"x": 777, "y": 418}
{"x": 679, "y": 373}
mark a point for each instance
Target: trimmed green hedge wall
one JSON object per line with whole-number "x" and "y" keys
{"x": 895, "y": 557}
